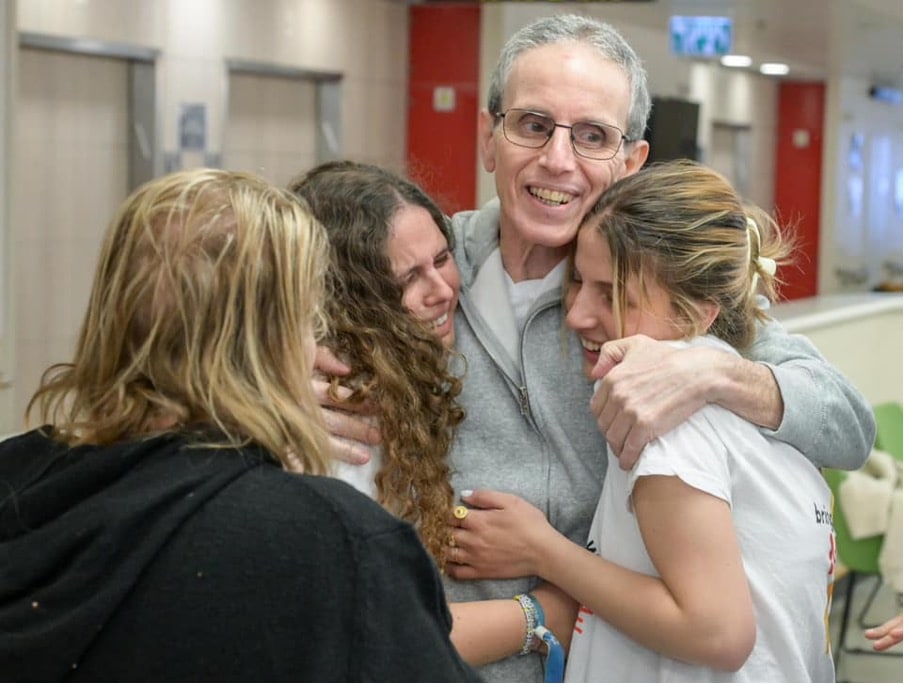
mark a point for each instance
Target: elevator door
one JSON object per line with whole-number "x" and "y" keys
{"x": 271, "y": 126}
{"x": 71, "y": 173}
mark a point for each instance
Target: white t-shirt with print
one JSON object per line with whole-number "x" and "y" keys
{"x": 781, "y": 508}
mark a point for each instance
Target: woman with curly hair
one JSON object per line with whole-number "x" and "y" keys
{"x": 394, "y": 287}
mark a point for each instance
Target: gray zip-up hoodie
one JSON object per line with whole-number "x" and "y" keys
{"x": 529, "y": 429}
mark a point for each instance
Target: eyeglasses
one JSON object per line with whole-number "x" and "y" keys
{"x": 588, "y": 139}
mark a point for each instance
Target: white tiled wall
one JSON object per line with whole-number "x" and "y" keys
{"x": 364, "y": 40}
{"x": 138, "y": 22}
{"x": 71, "y": 111}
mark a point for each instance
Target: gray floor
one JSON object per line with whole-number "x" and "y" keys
{"x": 869, "y": 667}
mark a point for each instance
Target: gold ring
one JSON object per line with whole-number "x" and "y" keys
{"x": 460, "y": 512}
{"x": 452, "y": 540}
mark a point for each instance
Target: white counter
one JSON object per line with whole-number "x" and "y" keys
{"x": 861, "y": 334}
{"x": 801, "y": 315}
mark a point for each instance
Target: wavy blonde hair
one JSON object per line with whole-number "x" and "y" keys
{"x": 206, "y": 295}
{"x": 397, "y": 363}
{"x": 682, "y": 225}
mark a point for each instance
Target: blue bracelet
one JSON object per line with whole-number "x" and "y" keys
{"x": 555, "y": 655}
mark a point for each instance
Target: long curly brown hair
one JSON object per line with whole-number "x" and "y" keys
{"x": 397, "y": 363}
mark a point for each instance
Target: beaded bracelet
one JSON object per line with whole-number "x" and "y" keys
{"x": 535, "y": 620}
{"x": 539, "y": 615}
{"x": 531, "y": 618}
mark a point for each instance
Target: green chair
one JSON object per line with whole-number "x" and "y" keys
{"x": 890, "y": 428}
{"x": 861, "y": 556}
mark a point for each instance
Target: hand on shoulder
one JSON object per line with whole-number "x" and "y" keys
{"x": 646, "y": 388}
{"x": 353, "y": 429}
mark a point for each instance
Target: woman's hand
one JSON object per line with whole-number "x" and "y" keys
{"x": 353, "y": 430}
{"x": 501, "y": 535}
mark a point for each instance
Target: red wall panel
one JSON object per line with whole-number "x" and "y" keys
{"x": 798, "y": 179}
{"x": 444, "y": 45}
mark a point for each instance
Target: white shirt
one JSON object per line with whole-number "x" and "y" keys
{"x": 781, "y": 508}
{"x": 522, "y": 295}
{"x": 361, "y": 477}
{"x": 504, "y": 304}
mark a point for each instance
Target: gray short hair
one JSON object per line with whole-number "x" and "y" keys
{"x": 573, "y": 27}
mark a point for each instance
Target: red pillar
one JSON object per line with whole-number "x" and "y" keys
{"x": 798, "y": 179}
{"x": 443, "y": 102}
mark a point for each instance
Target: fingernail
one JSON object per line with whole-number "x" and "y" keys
{"x": 466, "y": 493}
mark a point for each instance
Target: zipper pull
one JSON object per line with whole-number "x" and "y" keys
{"x": 523, "y": 402}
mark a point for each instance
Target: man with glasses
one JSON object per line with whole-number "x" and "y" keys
{"x": 566, "y": 113}
{"x": 592, "y": 140}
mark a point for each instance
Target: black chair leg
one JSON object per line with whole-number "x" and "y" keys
{"x": 845, "y": 615}
{"x": 851, "y": 579}
{"x": 869, "y": 603}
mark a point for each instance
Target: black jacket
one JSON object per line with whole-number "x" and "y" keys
{"x": 151, "y": 560}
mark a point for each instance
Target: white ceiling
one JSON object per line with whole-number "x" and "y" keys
{"x": 862, "y": 37}
{"x": 859, "y": 38}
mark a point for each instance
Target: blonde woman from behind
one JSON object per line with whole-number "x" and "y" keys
{"x": 167, "y": 521}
